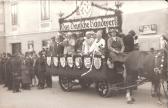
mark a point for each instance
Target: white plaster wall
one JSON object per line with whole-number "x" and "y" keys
{"x": 29, "y": 21}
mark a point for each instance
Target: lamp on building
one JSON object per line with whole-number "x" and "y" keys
{"x": 118, "y": 4}
{"x": 61, "y": 14}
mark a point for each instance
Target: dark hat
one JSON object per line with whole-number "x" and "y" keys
{"x": 132, "y": 32}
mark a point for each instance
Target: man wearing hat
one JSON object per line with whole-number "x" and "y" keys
{"x": 9, "y": 71}
{"x": 52, "y": 47}
{"x": 16, "y": 71}
{"x": 69, "y": 43}
{"x": 87, "y": 42}
{"x": 40, "y": 69}
{"x": 116, "y": 48}
{"x": 79, "y": 42}
{"x": 129, "y": 41}
{"x": 59, "y": 46}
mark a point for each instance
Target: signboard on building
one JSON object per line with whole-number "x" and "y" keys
{"x": 148, "y": 29}
{"x": 110, "y": 21}
{"x": 30, "y": 45}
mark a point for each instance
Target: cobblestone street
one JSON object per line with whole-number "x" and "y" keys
{"x": 78, "y": 98}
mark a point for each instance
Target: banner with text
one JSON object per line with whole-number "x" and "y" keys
{"x": 90, "y": 23}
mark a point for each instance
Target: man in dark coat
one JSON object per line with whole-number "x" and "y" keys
{"x": 16, "y": 72}
{"x": 25, "y": 74}
{"x": 31, "y": 67}
{"x": 58, "y": 51}
{"x": 41, "y": 69}
{"x": 8, "y": 72}
{"x": 129, "y": 42}
{"x": 52, "y": 47}
{"x": 3, "y": 67}
{"x": 59, "y": 47}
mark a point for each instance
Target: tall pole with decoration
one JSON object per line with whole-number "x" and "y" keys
{"x": 60, "y": 18}
{"x": 118, "y": 12}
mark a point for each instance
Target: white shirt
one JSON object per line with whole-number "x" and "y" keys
{"x": 97, "y": 45}
{"x": 86, "y": 45}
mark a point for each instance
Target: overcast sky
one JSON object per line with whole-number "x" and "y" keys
{"x": 139, "y": 6}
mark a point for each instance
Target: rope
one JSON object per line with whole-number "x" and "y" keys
{"x": 131, "y": 86}
{"x": 90, "y": 66}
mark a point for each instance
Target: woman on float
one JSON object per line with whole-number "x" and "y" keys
{"x": 98, "y": 44}
{"x": 87, "y": 42}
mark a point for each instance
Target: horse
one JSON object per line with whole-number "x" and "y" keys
{"x": 151, "y": 65}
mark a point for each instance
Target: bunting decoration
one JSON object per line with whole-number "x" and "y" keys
{"x": 87, "y": 62}
{"x": 48, "y": 61}
{"x": 55, "y": 61}
{"x": 78, "y": 62}
{"x": 70, "y": 61}
{"x": 63, "y": 61}
{"x": 97, "y": 62}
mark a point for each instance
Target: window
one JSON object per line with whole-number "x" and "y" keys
{"x": 30, "y": 45}
{"x": 45, "y": 9}
{"x": 45, "y": 43}
{"x": 14, "y": 14}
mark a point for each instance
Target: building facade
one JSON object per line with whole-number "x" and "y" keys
{"x": 2, "y": 27}
{"x": 27, "y": 25}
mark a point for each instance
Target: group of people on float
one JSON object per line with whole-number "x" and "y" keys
{"x": 95, "y": 42}
{"x": 72, "y": 43}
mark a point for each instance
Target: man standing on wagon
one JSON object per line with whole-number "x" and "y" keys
{"x": 98, "y": 44}
{"x": 69, "y": 44}
{"x": 116, "y": 48}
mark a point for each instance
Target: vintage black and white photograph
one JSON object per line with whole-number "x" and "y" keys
{"x": 83, "y": 54}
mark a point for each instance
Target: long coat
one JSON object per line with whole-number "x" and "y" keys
{"x": 26, "y": 75}
{"x": 3, "y": 68}
{"x": 16, "y": 63}
{"x": 40, "y": 68}
{"x": 9, "y": 73}
{"x": 128, "y": 43}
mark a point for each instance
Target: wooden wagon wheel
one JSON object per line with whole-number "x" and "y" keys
{"x": 103, "y": 88}
{"x": 65, "y": 83}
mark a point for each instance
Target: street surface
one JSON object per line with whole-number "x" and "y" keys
{"x": 78, "y": 98}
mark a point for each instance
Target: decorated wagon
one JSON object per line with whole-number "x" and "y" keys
{"x": 85, "y": 70}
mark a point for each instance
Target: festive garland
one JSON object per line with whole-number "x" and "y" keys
{"x": 93, "y": 4}
{"x": 119, "y": 14}
{"x": 70, "y": 14}
{"x": 98, "y": 6}
{"x": 116, "y": 11}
